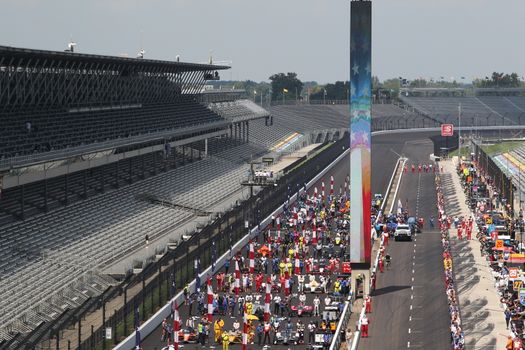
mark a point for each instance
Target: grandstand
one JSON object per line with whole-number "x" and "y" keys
{"x": 101, "y": 152}
{"x": 97, "y": 152}
{"x": 480, "y": 110}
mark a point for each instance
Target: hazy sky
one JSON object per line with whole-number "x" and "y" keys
{"x": 412, "y": 38}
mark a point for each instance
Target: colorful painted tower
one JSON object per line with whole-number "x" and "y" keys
{"x": 360, "y": 134}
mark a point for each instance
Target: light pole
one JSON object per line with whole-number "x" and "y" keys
{"x": 324, "y": 96}
{"x": 459, "y": 132}
{"x": 254, "y": 95}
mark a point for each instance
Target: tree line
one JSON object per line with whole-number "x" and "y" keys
{"x": 288, "y": 86}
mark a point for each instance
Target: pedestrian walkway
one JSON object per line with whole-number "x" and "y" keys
{"x": 481, "y": 313}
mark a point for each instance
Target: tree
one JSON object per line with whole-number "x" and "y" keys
{"x": 499, "y": 80}
{"x": 282, "y": 82}
{"x": 337, "y": 91}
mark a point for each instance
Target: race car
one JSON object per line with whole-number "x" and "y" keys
{"x": 302, "y": 310}
{"x": 286, "y": 338}
{"x": 187, "y": 335}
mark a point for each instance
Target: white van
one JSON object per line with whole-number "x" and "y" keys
{"x": 402, "y": 232}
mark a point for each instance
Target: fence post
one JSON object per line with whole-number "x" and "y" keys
{"x": 92, "y": 340}
{"x": 143, "y": 313}
{"x": 125, "y": 311}
{"x": 103, "y": 323}
{"x": 79, "y": 331}
{"x": 114, "y": 327}
{"x": 160, "y": 285}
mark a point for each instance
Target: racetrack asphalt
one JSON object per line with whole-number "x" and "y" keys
{"x": 409, "y": 306}
{"x": 393, "y": 325}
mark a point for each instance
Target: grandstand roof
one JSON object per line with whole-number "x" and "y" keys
{"x": 46, "y": 57}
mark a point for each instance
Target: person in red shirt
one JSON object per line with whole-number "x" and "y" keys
{"x": 364, "y": 327}
{"x": 258, "y": 281}
{"x": 368, "y": 304}
{"x": 460, "y": 232}
{"x": 220, "y": 281}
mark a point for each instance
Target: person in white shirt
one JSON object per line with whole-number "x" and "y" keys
{"x": 302, "y": 298}
{"x": 327, "y": 301}
{"x": 317, "y": 301}
{"x": 236, "y": 326}
{"x": 276, "y": 301}
{"x": 300, "y": 279}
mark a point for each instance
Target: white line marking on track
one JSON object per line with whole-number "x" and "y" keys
{"x": 412, "y": 288}
{"x": 409, "y": 331}
{"x": 409, "y": 318}
{"x": 412, "y": 279}
{"x": 410, "y": 307}
{"x": 412, "y": 297}
{"x": 408, "y": 345}
{"x": 413, "y": 271}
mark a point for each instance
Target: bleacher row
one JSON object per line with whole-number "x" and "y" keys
{"x": 62, "y": 129}
{"x": 88, "y": 235}
{"x": 482, "y": 110}
{"x": 238, "y": 110}
{"x": 518, "y": 175}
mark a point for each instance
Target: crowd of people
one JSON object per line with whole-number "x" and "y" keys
{"x": 497, "y": 229}
{"x": 456, "y": 332}
{"x": 292, "y": 270}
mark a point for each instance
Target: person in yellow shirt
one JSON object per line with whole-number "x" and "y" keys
{"x": 225, "y": 341}
{"x": 218, "y": 325}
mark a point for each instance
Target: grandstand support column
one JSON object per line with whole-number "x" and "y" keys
{"x": 154, "y": 163}
{"x": 205, "y": 147}
{"x": 85, "y": 183}
{"x": 116, "y": 174}
{"x": 46, "y": 208}
{"x": 231, "y": 131}
{"x": 102, "y": 189}
{"x": 22, "y": 204}
{"x": 66, "y": 189}
{"x": 248, "y": 130}
{"x": 183, "y": 154}
{"x": 130, "y": 172}
{"x": 143, "y": 167}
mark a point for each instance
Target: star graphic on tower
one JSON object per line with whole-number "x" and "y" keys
{"x": 355, "y": 69}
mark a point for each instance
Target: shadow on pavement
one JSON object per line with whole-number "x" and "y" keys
{"x": 389, "y": 289}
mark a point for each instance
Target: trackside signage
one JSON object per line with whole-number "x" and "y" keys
{"x": 447, "y": 129}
